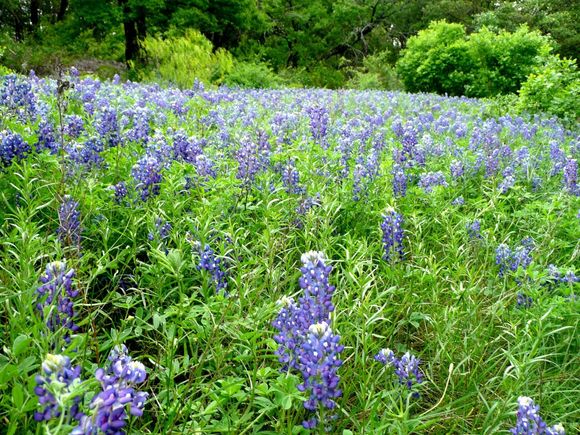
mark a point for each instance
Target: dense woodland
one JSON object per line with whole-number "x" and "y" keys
{"x": 321, "y": 42}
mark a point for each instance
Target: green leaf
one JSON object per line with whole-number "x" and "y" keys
{"x": 17, "y": 395}
{"x": 20, "y": 344}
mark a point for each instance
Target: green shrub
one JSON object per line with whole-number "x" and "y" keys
{"x": 375, "y": 73}
{"x": 505, "y": 59}
{"x": 421, "y": 65}
{"x": 444, "y": 59}
{"x": 252, "y": 75}
{"x": 182, "y": 60}
{"x": 553, "y": 88}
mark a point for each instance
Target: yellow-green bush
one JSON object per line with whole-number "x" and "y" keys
{"x": 554, "y": 88}
{"x": 182, "y": 60}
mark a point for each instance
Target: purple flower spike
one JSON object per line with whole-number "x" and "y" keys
{"x": 393, "y": 234}
{"x": 529, "y": 421}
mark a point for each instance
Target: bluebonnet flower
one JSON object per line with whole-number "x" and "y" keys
{"x": 556, "y": 276}
{"x": 406, "y": 367}
{"x": 86, "y": 154}
{"x": 558, "y": 158}
{"x": 291, "y": 179}
{"x": 474, "y": 230}
{"x": 524, "y": 301}
{"x": 393, "y": 235}
{"x": 57, "y": 381}
{"x": 120, "y": 190}
{"x": 529, "y": 421}
{"x": 508, "y": 180}
{"x": 319, "y": 363}
{"x": 118, "y": 392}
{"x": 107, "y": 126}
{"x": 399, "y": 181}
{"x": 306, "y": 343}
{"x": 213, "y": 264}
{"x": 17, "y": 96}
{"x": 365, "y": 172}
{"x": 74, "y": 126}
{"x": 57, "y": 291}
{"x": 429, "y": 180}
{"x": 147, "y": 175}
{"x": 571, "y": 177}
{"x": 46, "y": 137}
{"x": 319, "y": 119}
{"x": 139, "y": 129}
{"x": 508, "y": 259}
{"x": 185, "y": 148}
{"x": 457, "y": 169}
{"x": 503, "y": 255}
{"x": 162, "y": 233}
{"x": 12, "y": 147}
{"x": 522, "y": 254}
{"x": 458, "y": 201}
{"x": 409, "y": 142}
{"x": 69, "y": 230}
{"x": 253, "y": 157}
{"x": 317, "y": 300}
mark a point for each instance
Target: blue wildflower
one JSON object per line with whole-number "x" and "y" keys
{"x": 529, "y": 421}
{"x": 57, "y": 381}
{"x": 393, "y": 235}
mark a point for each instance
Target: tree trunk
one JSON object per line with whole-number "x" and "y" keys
{"x": 62, "y": 10}
{"x": 130, "y": 28}
{"x": 34, "y": 15}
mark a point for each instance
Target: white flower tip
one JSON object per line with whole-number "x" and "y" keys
{"x": 318, "y": 328}
{"x": 312, "y": 257}
{"x": 285, "y": 301}
{"x": 525, "y": 401}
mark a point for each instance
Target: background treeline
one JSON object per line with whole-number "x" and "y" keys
{"x": 482, "y": 50}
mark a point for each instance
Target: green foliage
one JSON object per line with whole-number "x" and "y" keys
{"x": 553, "y": 88}
{"x": 437, "y": 60}
{"x": 504, "y": 59}
{"x": 443, "y": 59}
{"x": 252, "y": 75}
{"x": 182, "y": 60}
{"x": 376, "y": 73}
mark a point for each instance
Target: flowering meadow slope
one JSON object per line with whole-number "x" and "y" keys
{"x": 283, "y": 261}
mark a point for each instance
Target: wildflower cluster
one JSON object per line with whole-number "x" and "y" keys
{"x": 147, "y": 175}
{"x": 118, "y": 392}
{"x": 430, "y": 180}
{"x": 12, "y": 147}
{"x": 58, "y": 380}
{"x": 253, "y": 157}
{"x": 529, "y": 421}
{"x": 508, "y": 259}
{"x": 474, "y": 229}
{"x": 291, "y": 179}
{"x": 406, "y": 367}
{"x": 69, "y": 230}
{"x": 393, "y": 235}
{"x": 306, "y": 343}
{"x": 58, "y": 292}
{"x": 213, "y": 264}
{"x": 556, "y": 276}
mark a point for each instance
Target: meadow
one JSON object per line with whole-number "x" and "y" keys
{"x": 283, "y": 262}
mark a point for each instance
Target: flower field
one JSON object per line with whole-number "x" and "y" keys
{"x": 284, "y": 262}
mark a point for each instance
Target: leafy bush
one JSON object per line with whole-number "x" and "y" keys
{"x": 505, "y": 60}
{"x": 423, "y": 64}
{"x": 182, "y": 60}
{"x": 444, "y": 59}
{"x": 554, "y": 88}
{"x": 375, "y": 73}
{"x": 252, "y": 75}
